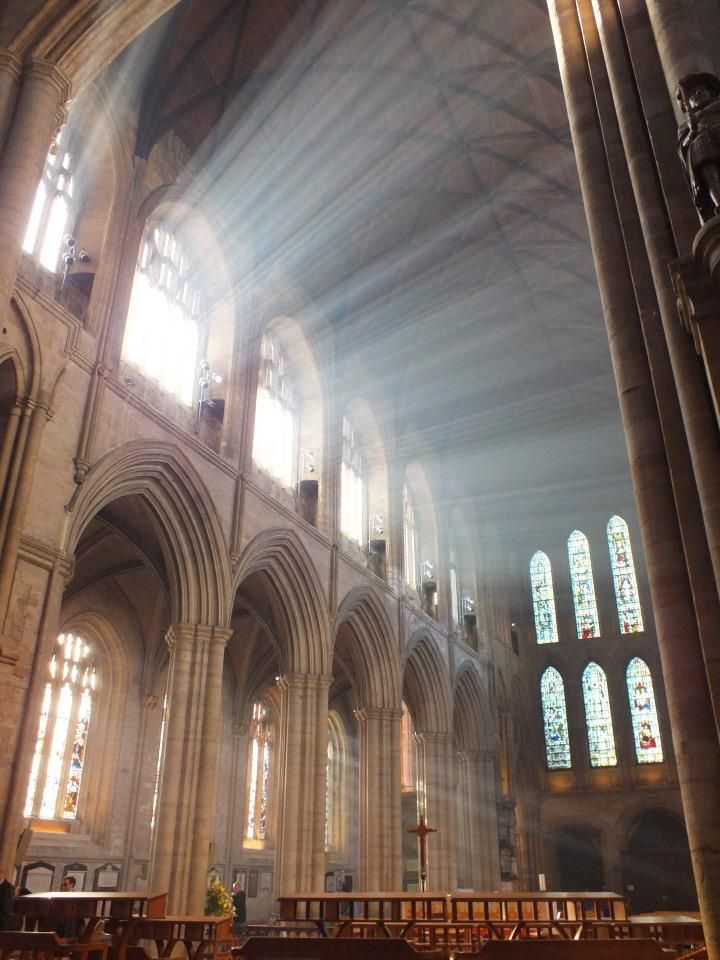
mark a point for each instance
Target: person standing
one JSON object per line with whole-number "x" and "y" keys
{"x": 238, "y": 899}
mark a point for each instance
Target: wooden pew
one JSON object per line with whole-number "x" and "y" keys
{"x": 31, "y": 945}
{"x": 572, "y": 950}
{"x": 331, "y": 948}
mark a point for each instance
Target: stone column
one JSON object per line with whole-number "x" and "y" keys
{"x": 680, "y": 41}
{"x": 380, "y": 824}
{"x": 10, "y": 73}
{"x": 694, "y": 733}
{"x": 439, "y": 801}
{"x": 302, "y": 755}
{"x": 39, "y": 112}
{"x": 188, "y": 778}
{"x": 477, "y": 783}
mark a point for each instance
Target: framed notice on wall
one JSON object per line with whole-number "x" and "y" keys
{"x": 107, "y": 877}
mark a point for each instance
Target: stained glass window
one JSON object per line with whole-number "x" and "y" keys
{"x": 409, "y": 540}
{"x": 59, "y": 757}
{"x": 598, "y": 719}
{"x": 329, "y": 789}
{"x": 258, "y": 773}
{"x": 543, "y": 598}
{"x": 352, "y": 486}
{"x": 583, "y": 587}
{"x": 274, "y": 434}
{"x": 408, "y": 752}
{"x": 646, "y": 729}
{"x": 53, "y": 210}
{"x": 557, "y": 740}
{"x": 161, "y": 333}
{"x": 156, "y": 790}
{"x": 623, "y": 569}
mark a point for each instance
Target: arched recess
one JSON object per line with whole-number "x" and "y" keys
{"x": 420, "y": 545}
{"x": 364, "y": 637}
{"x": 194, "y": 550}
{"x": 656, "y": 866}
{"x": 426, "y": 687}
{"x": 576, "y": 857}
{"x": 277, "y": 576}
{"x": 472, "y": 720}
{"x": 461, "y": 576}
{"x": 372, "y": 445}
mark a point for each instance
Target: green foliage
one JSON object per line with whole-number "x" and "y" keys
{"x": 217, "y": 900}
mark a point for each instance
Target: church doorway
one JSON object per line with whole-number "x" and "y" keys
{"x": 578, "y": 858}
{"x": 657, "y": 873}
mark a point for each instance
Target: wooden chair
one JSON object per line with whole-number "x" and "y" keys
{"x": 32, "y": 945}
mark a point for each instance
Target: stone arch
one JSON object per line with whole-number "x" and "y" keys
{"x": 472, "y": 722}
{"x": 377, "y": 668}
{"x": 193, "y": 543}
{"x": 22, "y": 347}
{"x": 426, "y": 687}
{"x": 296, "y": 598}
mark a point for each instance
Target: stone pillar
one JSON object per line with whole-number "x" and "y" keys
{"x": 436, "y": 774}
{"x": 39, "y": 112}
{"x": 694, "y": 733}
{"x": 679, "y": 39}
{"x": 380, "y": 824}
{"x": 10, "y": 73}
{"x": 180, "y": 848}
{"x": 302, "y": 755}
{"x": 477, "y": 792}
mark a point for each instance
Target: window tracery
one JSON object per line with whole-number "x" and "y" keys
{"x": 410, "y": 557}
{"x": 59, "y": 757}
{"x": 543, "y": 598}
{"x": 598, "y": 719}
{"x": 54, "y": 207}
{"x": 583, "y": 586}
{"x": 624, "y": 579}
{"x": 275, "y": 414}
{"x": 162, "y": 329}
{"x": 557, "y": 741}
{"x": 643, "y": 712}
{"x": 352, "y": 486}
{"x": 258, "y": 773}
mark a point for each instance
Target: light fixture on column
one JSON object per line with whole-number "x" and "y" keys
{"x": 73, "y": 254}
{"x": 204, "y": 381}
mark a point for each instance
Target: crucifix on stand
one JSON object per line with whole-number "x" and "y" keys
{"x": 422, "y": 831}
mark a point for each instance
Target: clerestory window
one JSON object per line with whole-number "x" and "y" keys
{"x": 54, "y": 209}
{"x": 275, "y": 413}
{"x": 352, "y": 486}
{"x": 259, "y": 759}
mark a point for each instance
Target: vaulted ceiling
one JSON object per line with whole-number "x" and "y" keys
{"x": 409, "y": 163}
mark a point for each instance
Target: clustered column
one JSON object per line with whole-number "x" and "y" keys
{"x": 380, "y": 802}
{"x": 477, "y": 791}
{"x": 185, "y": 810}
{"x": 439, "y": 801}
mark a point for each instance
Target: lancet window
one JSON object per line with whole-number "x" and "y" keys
{"x": 408, "y": 753}
{"x": 410, "y": 555}
{"x": 543, "y": 598}
{"x": 557, "y": 740}
{"x": 275, "y": 414}
{"x": 624, "y": 579}
{"x": 583, "y": 586}
{"x": 646, "y": 729}
{"x": 598, "y": 719}
{"x": 54, "y": 208}
{"x": 162, "y": 329}
{"x": 59, "y": 757}
{"x": 259, "y": 760}
{"x": 334, "y": 785}
{"x": 352, "y": 486}
{"x": 156, "y": 790}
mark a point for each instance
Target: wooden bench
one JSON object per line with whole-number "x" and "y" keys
{"x": 573, "y": 950}
{"x": 31, "y": 945}
{"x": 332, "y": 948}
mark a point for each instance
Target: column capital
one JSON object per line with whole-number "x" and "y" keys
{"x": 299, "y": 681}
{"x": 38, "y": 68}
{"x": 435, "y": 736}
{"x": 475, "y": 756}
{"x": 365, "y": 714}
{"x": 196, "y": 633}
{"x": 11, "y": 63}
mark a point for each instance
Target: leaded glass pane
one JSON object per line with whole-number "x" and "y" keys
{"x": 646, "y": 729}
{"x": 624, "y": 580}
{"x": 77, "y": 761}
{"x": 352, "y": 496}
{"x": 274, "y": 434}
{"x": 258, "y": 774}
{"x": 543, "y": 598}
{"x": 557, "y": 742}
{"x": 39, "y": 748}
{"x": 583, "y": 587}
{"x": 598, "y": 719}
{"x": 57, "y": 752}
{"x": 255, "y": 749}
{"x": 409, "y": 539}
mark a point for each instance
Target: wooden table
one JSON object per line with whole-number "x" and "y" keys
{"x": 118, "y": 911}
{"x": 200, "y": 936}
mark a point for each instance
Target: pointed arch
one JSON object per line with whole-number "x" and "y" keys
{"x": 598, "y": 717}
{"x": 426, "y": 687}
{"x": 375, "y": 661}
{"x": 643, "y": 712}
{"x": 194, "y": 548}
{"x": 583, "y": 586}
{"x": 624, "y": 580}
{"x": 555, "y": 723}
{"x": 296, "y": 597}
{"x": 543, "y": 598}
{"x": 474, "y": 729}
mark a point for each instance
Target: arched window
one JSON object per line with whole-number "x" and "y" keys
{"x": 409, "y": 539}
{"x": 59, "y": 758}
{"x": 598, "y": 719}
{"x": 162, "y": 333}
{"x": 408, "y": 753}
{"x": 623, "y": 569}
{"x": 274, "y": 436}
{"x": 543, "y": 598}
{"x": 54, "y": 210}
{"x": 334, "y": 786}
{"x": 259, "y": 758}
{"x": 352, "y": 486}
{"x": 557, "y": 741}
{"x": 646, "y": 729}
{"x": 583, "y": 587}
{"x": 156, "y": 790}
